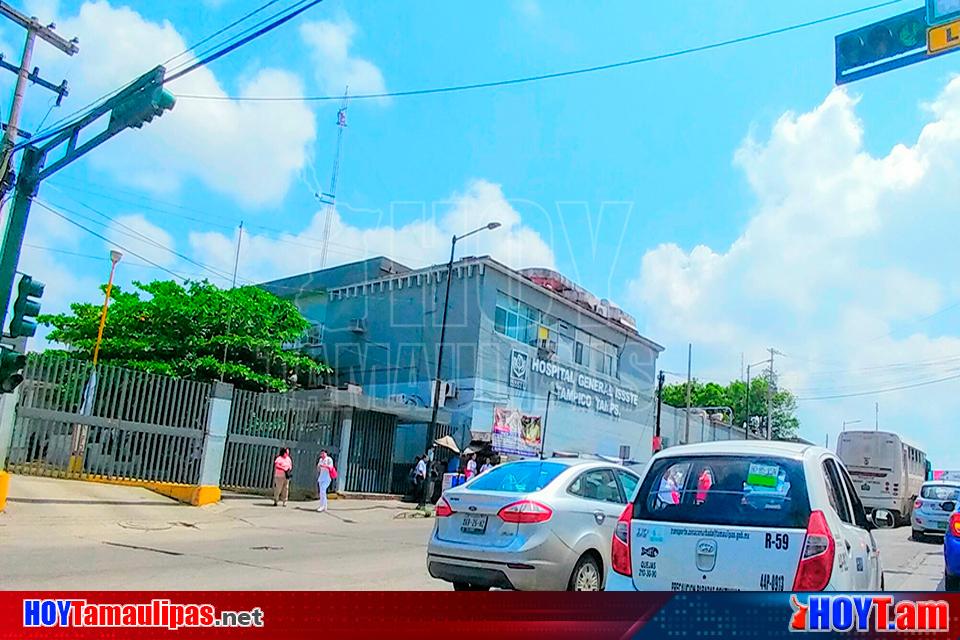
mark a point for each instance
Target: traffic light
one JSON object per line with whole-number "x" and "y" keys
{"x": 26, "y": 308}
{"x": 11, "y": 369}
{"x": 142, "y": 106}
{"x": 882, "y": 42}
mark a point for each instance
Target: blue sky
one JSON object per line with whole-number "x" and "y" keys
{"x": 730, "y": 198}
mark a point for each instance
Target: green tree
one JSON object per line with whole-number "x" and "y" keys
{"x": 783, "y": 404}
{"x": 182, "y": 331}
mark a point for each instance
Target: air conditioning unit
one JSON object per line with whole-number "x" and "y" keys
{"x": 353, "y": 388}
{"x": 400, "y": 398}
{"x": 358, "y": 325}
{"x": 448, "y": 390}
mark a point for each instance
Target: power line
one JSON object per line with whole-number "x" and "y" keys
{"x": 556, "y": 74}
{"x": 214, "y": 55}
{"x": 106, "y": 239}
{"x": 90, "y": 256}
{"x": 220, "y": 31}
{"x": 145, "y": 238}
{"x": 242, "y": 41}
{"x": 880, "y": 391}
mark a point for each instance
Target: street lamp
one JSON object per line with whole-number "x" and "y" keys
{"x": 114, "y": 259}
{"x": 443, "y": 328}
{"x": 843, "y": 426}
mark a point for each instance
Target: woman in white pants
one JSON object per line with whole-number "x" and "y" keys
{"x": 324, "y": 468}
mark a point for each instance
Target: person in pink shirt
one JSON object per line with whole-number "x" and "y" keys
{"x": 282, "y": 470}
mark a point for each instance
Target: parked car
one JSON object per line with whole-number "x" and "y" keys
{"x": 931, "y": 511}
{"x": 951, "y": 552}
{"x": 530, "y": 525}
{"x": 746, "y": 515}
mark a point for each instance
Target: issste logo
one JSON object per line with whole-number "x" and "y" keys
{"x": 842, "y": 612}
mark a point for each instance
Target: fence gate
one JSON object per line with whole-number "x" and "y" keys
{"x": 74, "y": 421}
{"x": 371, "y": 452}
{"x": 261, "y": 423}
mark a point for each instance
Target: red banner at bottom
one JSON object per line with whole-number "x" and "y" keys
{"x": 316, "y": 615}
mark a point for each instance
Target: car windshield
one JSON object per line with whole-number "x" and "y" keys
{"x": 518, "y": 477}
{"x": 940, "y": 492}
{"x": 725, "y": 490}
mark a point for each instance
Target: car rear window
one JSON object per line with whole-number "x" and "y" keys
{"x": 518, "y": 477}
{"x": 725, "y": 490}
{"x": 940, "y": 492}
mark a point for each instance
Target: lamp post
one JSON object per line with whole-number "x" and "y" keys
{"x": 431, "y": 429}
{"x": 843, "y": 425}
{"x": 114, "y": 259}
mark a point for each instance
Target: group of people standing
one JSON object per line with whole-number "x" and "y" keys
{"x": 421, "y": 472}
{"x": 283, "y": 471}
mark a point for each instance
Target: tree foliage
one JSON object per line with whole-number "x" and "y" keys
{"x": 733, "y": 396}
{"x": 163, "y": 327}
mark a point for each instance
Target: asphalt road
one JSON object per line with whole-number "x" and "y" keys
{"x": 62, "y": 534}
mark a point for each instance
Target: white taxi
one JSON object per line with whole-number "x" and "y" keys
{"x": 746, "y": 516}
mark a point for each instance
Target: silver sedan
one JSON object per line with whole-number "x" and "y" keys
{"x": 541, "y": 525}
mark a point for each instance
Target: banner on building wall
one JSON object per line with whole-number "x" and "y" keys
{"x": 515, "y": 433}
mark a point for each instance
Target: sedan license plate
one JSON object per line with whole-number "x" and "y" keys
{"x": 474, "y": 524}
{"x": 940, "y": 526}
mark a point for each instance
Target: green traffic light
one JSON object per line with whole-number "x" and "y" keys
{"x": 912, "y": 34}
{"x": 26, "y": 308}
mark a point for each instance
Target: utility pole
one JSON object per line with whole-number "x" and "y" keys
{"x": 34, "y": 30}
{"x": 543, "y": 432}
{"x": 770, "y": 396}
{"x": 657, "y": 446}
{"x": 686, "y": 430}
{"x": 876, "y": 424}
{"x": 233, "y": 285}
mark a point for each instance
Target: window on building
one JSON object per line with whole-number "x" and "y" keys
{"x": 523, "y": 323}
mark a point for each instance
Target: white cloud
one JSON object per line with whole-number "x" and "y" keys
{"x": 529, "y": 9}
{"x": 419, "y": 243}
{"x": 336, "y": 68}
{"x": 139, "y": 236}
{"x": 221, "y": 143}
{"x": 840, "y": 266}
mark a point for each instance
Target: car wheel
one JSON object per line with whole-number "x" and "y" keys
{"x": 586, "y": 575}
{"x": 917, "y": 535}
{"x": 951, "y": 583}
{"x": 463, "y": 586}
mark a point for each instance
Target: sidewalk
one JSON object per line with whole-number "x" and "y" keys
{"x": 70, "y": 534}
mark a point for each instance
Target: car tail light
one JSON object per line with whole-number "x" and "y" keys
{"x": 526, "y": 512}
{"x": 444, "y": 510}
{"x": 954, "y": 526}
{"x": 816, "y": 563}
{"x": 620, "y": 551}
{"x": 918, "y": 504}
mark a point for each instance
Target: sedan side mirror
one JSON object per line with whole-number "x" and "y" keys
{"x": 883, "y": 519}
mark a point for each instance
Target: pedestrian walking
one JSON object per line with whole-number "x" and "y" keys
{"x": 471, "y": 466}
{"x": 420, "y": 478}
{"x": 326, "y": 473}
{"x": 282, "y": 471}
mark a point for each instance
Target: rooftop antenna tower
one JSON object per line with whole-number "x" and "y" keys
{"x": 329, "y": 198}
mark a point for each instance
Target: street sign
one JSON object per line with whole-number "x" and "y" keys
{"x": 942, "y": 11}
{"x": 894, "y": 43}
{"x": 944, "y": 37}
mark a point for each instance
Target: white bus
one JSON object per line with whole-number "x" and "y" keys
{"x": 886, "y": 470}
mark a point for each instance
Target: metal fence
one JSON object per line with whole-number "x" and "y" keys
{"x": 262, "y": 423}
{"x": 74, "y": 420}
{"x": 371, "y": 452}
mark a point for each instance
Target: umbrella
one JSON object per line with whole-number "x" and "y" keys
{"x": 447, "y": 442}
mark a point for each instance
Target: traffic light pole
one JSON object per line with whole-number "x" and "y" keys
{"x": 141, "y": 101}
